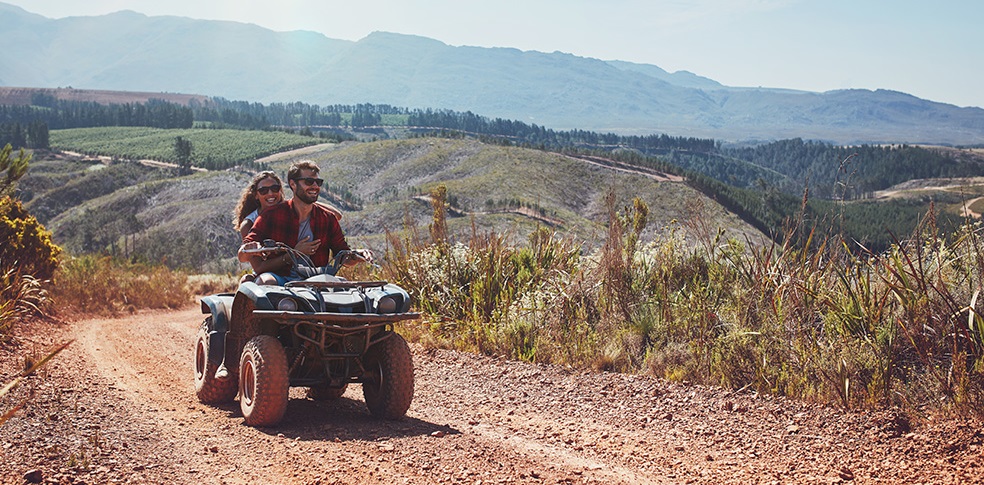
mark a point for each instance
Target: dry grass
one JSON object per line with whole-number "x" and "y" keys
{"x": 93, "y": 285}
{"x": 33, "y": 367}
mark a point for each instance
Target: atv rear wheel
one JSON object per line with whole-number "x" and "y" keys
{"x": 263, "y": 382}
{"x": 209, "y": 389}
{"x": 325, "y": 393}
{"x": 388, "y": 388}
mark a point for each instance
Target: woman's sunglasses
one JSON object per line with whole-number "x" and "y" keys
{"x": 270, "y": 188}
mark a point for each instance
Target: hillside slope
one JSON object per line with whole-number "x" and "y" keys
{"x": 187, "y": 220}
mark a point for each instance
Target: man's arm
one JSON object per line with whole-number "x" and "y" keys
{"x": 261, "y": 262}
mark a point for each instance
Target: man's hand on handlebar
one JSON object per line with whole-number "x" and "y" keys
{"x": 356, "y": 256}
{"x": 255, "y": 248}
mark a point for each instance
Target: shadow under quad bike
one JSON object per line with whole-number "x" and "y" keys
{"x": 321, "y": 332}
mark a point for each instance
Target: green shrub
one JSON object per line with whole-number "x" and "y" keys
{"x": 28, "y": 258}
{"x": 27, "y": 246}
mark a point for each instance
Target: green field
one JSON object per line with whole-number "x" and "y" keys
{"x": 211, "y": 149}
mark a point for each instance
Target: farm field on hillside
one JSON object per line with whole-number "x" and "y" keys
{"x": 211, "y": 149}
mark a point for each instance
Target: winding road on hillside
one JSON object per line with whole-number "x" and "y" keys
{"x": 118, "y": 406}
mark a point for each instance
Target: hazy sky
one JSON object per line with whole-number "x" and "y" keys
{"x": 930, "y": 49}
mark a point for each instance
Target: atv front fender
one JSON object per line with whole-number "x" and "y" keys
{"x": 257, "y": 294}
{"x": 220, "y": 307}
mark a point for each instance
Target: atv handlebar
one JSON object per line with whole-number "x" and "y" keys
{"x": 267, "y": 246}
{"x": 302, "y": 262}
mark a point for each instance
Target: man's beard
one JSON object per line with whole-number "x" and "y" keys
{"x": 304, "y": 197}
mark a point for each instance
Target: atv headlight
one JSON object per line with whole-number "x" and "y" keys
{"x": 386, "y": 304}
{"x": 287, "y": 305}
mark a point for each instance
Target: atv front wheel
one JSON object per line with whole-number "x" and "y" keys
{"x": 388, "y": 388}
{"x": 209, "y": 389}
{"x": 263, "y": 382}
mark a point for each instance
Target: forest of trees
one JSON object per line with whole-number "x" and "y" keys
{"x": 58, "y": 114}
{"x": 31, "y": 135}
{"x": 533, "y": 135}
{"x": 829, "y": 171}
{"x": 847, "y": 172}
{"x": 225, "y": 113}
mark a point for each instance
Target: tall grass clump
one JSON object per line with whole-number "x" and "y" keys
{"x": 486, "y": 295}
{"x": 102, "y": 285}
{"x": 811, "y": 316}
{"x": 21, "y": 297}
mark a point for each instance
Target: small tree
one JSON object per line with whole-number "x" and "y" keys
{"x": 439, "y": 228}
{"x": 38, "y": 136}
{"x": 182, "y": 150}
{"x": 15, "y": 168}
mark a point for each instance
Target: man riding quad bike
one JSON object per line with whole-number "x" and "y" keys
{"x": 321, "y": 332}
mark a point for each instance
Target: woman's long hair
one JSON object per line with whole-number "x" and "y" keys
{"x": 247, "y": 201}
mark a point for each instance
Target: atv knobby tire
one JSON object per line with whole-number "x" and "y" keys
{"x": 388, "y": 387}
{"x": 209, "y": 389}
{"x": 263, "y": 382}
{"x": 325, "y": 393}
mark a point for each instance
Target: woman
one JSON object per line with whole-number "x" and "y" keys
{"x": 265, "y": 190}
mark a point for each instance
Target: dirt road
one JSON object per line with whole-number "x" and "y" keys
{"x": 119, "y": 407}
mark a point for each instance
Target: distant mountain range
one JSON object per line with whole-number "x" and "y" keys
{"x": 133, "y": 52}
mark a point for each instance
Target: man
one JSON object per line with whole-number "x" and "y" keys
{"x": 297, "y": 219}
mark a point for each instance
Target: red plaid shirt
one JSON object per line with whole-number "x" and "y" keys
{"x": 281, "y": 224}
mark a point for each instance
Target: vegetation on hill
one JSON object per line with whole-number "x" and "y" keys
{"x": 56, "y": 186}
{"x": 210, "y": 148}
{"x": 33, "y": 134}
{"x": 875, "y": 225}
{"x": 849, "y": 172}
{"x": 120, "y": 208}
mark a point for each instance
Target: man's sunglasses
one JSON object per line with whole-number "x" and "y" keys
{"x": 270, "y": 188}
{"x": 311, "y": 181}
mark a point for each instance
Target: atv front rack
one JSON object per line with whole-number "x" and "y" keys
{"x": 288, "y": 317}
{"x": 335, "y": 284}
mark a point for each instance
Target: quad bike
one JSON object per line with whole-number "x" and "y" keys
{"x": 321, "y": 332}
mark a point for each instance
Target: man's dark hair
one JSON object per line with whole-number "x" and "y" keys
{"x": 295, "y": 169}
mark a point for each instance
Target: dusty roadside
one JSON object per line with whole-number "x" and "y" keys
{"x": 118, "y": 406}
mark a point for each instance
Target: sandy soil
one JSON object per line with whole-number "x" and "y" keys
{"x": 118, "y": 406}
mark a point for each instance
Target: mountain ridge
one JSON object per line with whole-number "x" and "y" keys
{"x": 133, "y": 52}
